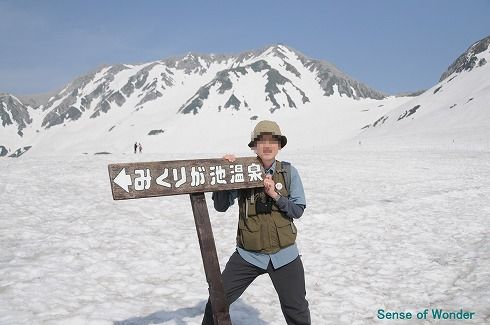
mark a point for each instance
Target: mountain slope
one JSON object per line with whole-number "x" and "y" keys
{"x": 13, "y": 113}
{"x": 455, "y": 110}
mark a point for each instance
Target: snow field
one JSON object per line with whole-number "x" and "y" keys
{"x": 398, "y": 230}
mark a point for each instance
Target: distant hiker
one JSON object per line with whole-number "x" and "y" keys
{"x": 140, "y": 147}
{"x": 135, "y": 147}
{"x": 266, "y": 233}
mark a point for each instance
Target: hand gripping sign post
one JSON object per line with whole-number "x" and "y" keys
{"x": 194, "y": 177}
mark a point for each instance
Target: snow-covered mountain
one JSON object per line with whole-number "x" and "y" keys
{"x": 137, "y": 101}
{"x": 209, "y": 103}
{"x": 455, "y": 110}
{"x": 14, "y": 117}
{"x": 13, "y": 113}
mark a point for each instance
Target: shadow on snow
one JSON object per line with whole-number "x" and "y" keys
{"x": 242, "y": 314}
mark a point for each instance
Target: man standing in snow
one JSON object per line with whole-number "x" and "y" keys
{"x": 266, "y": 233}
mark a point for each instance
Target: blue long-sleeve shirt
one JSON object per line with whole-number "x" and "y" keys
{"x": 293, "y": 206}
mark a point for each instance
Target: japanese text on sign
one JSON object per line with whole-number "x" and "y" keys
{"x": 177, "y": 177}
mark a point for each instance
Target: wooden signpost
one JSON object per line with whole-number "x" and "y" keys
{"x": 193, "y": 177}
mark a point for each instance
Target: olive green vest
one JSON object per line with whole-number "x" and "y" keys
{"x": 264, "y": 233}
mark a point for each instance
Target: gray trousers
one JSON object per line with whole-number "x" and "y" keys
{"x": 289, "y": 282}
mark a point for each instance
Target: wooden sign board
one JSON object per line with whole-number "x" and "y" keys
{"x": 193, "y": 177}
{"x": 161, "y": 178}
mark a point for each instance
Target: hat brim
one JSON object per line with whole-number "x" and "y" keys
{"x": 283, "y": 138}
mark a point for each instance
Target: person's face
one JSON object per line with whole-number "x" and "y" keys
{"x": 267, "y": 147}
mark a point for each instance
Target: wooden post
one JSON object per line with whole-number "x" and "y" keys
{"x": 209, "y": 255}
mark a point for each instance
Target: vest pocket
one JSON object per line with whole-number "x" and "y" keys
{"x": 250, "y": 234}
{"x": 286, "y": 231}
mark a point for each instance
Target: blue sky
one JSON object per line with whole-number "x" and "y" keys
{"x": 390, "y": 45}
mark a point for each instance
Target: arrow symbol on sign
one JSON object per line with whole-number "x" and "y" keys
{"x": 123, "y": 180}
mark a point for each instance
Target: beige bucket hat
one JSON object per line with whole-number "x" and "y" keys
{"x": 267, "y": 127}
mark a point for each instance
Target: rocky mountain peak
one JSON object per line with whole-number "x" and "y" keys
{"x": 13, "y": 113}
{"x": 473, "y": 57}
